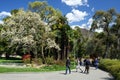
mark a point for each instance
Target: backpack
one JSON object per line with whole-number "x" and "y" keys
{"x": 87, "y": 62}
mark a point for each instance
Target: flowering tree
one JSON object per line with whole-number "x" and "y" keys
{"x": 26, "y": 29}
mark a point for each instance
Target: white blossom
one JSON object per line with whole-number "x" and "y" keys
{"x": 51, "y": 44}
{"x": 27, "y": 28}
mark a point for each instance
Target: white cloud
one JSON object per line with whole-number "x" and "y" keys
{"x": 83, "y": 26}
{"x": 99, "y": 30}
{"x": 89, "y": 23}
{"x": 76, "y": 16}
{"x": 3, "y": 14}
{"x": 1, "y": 22}
{"x": 93, "y": 9}
{"x": 73, "y": 26}
{"x": 75, "y": 3}
{"x": 87, "y": 26}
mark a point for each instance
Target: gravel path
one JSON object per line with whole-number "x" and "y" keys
{"x": 58, "y": 75}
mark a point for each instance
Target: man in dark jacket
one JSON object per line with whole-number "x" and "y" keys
{"x": 68, "y": 65}
{"x": 87, "y": 65}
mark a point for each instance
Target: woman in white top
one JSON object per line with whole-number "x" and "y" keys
{"x": 78, "y": 65}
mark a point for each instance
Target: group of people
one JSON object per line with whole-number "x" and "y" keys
{"x": 86, "y": 62}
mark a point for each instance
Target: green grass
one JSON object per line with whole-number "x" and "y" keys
{"x": 30, "y": 69}
{"x": 6, "y": 69}
{"x": 55, "y": 67}
{"x": 10, "y": 60}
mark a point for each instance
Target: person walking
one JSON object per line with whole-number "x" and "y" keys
{"x": 79, "y": 63}
{"x": 87, "y": 65}
{"x": 68, "y": 66}
{"x": 96, "y": 63}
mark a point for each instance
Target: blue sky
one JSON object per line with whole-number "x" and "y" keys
{"x": 78, "y": 12}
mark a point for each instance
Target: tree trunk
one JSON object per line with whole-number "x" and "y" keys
{"x": 107, "y": 45}
{"x": 62, "y": 48}
{"x": 7, "y": 55}
{"x": 118, "y": 44}
{"x": 58, "y": 55}
{"x": 42, "y": 52}
{"x": 118, "y": 48}
{"x": 106, "y": 51}
{"x": 35, "y": 52}
{"x": 65, "y": 52}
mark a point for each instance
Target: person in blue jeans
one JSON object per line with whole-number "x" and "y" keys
{"x": 96, "y": 63}
{"x": 68, "y": 66}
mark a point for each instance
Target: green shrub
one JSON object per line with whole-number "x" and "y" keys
{"x": 37, "y": 61}
{"x": 26, "y": 61}
{"x": 26, "y": 58}
{"x": 60, "y": 62}
{"x": 113, "y": 66}
{"x": 118, "y": 76}
{"x": 49, "y": 60}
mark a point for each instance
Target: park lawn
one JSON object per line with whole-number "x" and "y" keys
{"x": 31, "y": 69}
{"x": 11, "y": 61}
{"x": 53, "y": 67}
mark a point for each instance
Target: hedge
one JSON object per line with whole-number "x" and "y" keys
{"x": 112, "y": 66}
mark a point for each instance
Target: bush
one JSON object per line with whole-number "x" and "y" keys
{"x": 26, "y": 61}
{"x": 118, "y": 76}
{"x": 26, "y": 58}
{"x": 113, "y": 66}
{"x": 49, "y": 60}
{"x": 37, "y": 61}
{"x": 60, "y": 62}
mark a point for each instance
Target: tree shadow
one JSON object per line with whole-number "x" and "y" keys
{"x": 107, "y": 78}
{"x": 63, "y": 73}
